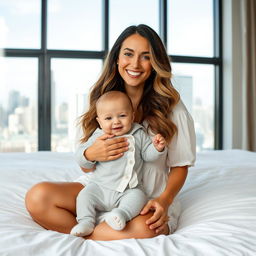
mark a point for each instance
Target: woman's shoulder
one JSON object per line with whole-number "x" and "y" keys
{"x": 180, "y": 113}
{"x": 180, "y": 108}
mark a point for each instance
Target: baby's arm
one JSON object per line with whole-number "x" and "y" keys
{"x": 152, "y": 148}
{"x": 159, "y": 142}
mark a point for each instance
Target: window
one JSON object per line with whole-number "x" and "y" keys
{"x": 54, "y": 51}
{"x": 18, "y": 107}
{"x": 124, "y": 14}
{"x": 190, "y": 28}
{"x": 75, "y": 25}
{"x": 195, "y": 83}
{"x": 76, "y": 76}
{"x": 20, "y": 24}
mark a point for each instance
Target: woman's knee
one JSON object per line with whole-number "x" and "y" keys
{"x": 142, "y": 229}
{"x": 38, "y": 198}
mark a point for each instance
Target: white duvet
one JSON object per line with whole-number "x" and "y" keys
{"x": 218, "y": 209}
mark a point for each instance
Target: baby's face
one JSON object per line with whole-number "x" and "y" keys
{"x": 115, "y": 116}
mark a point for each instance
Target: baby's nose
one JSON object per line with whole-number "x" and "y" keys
{"x": 116, "y": 120}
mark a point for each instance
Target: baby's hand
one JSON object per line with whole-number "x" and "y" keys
{"x": 159, "y": 142}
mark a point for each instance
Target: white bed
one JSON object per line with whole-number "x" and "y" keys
{"x": 218, "y": 209}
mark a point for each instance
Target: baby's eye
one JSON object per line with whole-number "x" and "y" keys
{"x": 123, "y": 115}
{"x": 108, "y": 118}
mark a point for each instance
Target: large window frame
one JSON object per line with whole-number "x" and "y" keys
{"x": 45, "y": 55}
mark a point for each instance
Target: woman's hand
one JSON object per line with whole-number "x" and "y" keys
{"x": 160, "y": 216}
{"x": 106, "y": 148}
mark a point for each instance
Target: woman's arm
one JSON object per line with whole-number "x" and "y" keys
{"x": 160, "y": 205}
{"x": 176, "y": 180}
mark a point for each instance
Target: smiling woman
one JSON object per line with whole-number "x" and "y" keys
{"x": 137, "y": 65}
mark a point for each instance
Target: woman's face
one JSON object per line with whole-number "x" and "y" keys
{"x": 134, "y": 63}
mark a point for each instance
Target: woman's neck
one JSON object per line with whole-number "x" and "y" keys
{"x": 135, "y": 95}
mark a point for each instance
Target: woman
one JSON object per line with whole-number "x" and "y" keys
{"x": 139, "y": 66}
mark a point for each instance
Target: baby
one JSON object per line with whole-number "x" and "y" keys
{"x": 115, "y": 186}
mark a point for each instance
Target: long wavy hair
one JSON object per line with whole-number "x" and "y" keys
{"x": 159, "y": 96}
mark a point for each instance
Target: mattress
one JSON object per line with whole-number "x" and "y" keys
{"x": 218, "y": 209}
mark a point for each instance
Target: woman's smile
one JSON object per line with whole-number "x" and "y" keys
{"x": 133, "y": 74}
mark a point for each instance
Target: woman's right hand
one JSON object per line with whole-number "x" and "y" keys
{"x": 106, "y": 148}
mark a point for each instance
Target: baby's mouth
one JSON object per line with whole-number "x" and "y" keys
{"x": 117, "y": 128}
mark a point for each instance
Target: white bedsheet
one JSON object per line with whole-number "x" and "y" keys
{"x": 218, "y": 209}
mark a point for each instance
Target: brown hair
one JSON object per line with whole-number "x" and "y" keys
{"x": 159, "y": 96}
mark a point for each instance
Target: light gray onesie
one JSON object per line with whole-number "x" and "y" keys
{"x": 116, "y": 185}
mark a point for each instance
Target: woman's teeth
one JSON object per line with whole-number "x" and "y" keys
{"x": 133, "y": 73}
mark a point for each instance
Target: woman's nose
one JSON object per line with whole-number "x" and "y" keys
{"x": 135, "y": 61}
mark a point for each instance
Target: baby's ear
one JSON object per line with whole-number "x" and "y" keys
{"x": 98, "y": 120}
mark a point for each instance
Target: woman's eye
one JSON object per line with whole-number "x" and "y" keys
{"x": 127, "y": 54}
{"x": 146, "y": 57}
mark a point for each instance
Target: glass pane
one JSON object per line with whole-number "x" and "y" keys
{"x": 75, "y": 26}
{"x": 71, "y": 81}
{"x": 134, "y": 12}
{"x": 190, "y": 27}
{"x": 18, "y": 104}
{"x": 20, "y": 23}
{"x": 195, "y": 83}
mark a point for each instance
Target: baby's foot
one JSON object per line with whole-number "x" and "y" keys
{"x": 116, "y": 220}
{"x": 82, "y": 229}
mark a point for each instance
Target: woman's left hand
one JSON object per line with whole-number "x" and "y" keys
{"x": 160, "y": 216}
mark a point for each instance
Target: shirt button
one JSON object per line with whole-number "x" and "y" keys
{"x": 131, "y": 162}
{"x": 131, "y": 149}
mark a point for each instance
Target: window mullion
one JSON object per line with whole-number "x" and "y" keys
{"x": 44, "y": 87}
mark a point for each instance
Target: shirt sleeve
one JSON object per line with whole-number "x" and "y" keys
{"x": 182, "y": 148}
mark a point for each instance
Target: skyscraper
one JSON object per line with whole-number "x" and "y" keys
{"x": 13, "y": 101}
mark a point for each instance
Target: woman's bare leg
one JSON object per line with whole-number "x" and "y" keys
{"x": 136, "y": 228}
{"x": 53, "y": 205}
